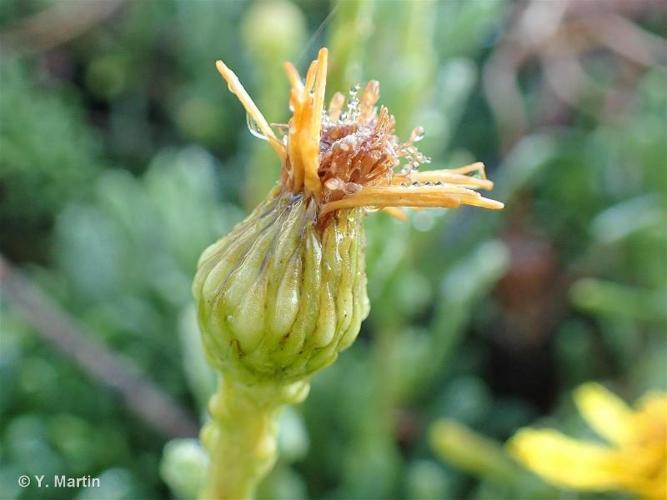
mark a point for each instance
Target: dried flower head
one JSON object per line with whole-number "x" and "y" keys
{"x": 283, "y": 293}
{"x": 349, "y": 156}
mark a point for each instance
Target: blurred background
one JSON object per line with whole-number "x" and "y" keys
{"x": 123, "y": 155}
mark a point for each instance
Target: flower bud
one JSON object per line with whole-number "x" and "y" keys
{"x": 279, "y": 297}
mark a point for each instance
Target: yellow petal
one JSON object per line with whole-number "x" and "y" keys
{"x": 653, "y": 406}
{"x": 605, "y": 412}
{"x": 655, "y": 489}
{"x": 565, "y": 461}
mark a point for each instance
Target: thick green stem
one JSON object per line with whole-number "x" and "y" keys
{"x": 241, "y": 436}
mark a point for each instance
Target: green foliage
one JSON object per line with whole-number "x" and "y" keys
{"x": 123, "y": 264}
{"x": 122, "y": 156}
{"x": 49, "y": 156}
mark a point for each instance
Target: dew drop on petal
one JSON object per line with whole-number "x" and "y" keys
{"x": 333, "y": 184}
{"x": 254, "y": 128}
{"x": 351, "y": 188}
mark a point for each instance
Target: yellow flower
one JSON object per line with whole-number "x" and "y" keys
{"x": 635, "y": 461}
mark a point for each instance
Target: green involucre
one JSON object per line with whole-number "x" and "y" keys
{"x": 279, "y": 298}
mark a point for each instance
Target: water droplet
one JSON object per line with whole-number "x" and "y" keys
{"x": 351, "y": 188}
{"x": 417, "y": 134}
{"x": 334, "y": 183}
{"x": 254, "y": 128}
{"x": 370, "y": 210}
{"x": 351, "y": 113}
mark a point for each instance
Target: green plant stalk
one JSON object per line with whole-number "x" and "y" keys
{"x": 241, "y": 437}
{"x": 350, "y": 31}
{"x": 415, "y": 55}
{"x": 470, "y": 451}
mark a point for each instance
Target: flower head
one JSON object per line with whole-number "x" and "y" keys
{"x": 283, "y": 293}
{"x": 635, "y": 461}
{"x": 349, "y": 156}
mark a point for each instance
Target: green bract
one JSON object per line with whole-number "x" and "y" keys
{"x": 279, "y": 297}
